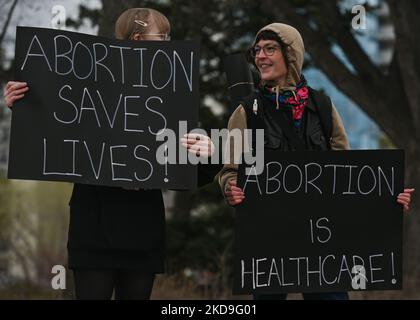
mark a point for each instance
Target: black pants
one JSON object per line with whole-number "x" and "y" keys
{"x": 93, "y": 284}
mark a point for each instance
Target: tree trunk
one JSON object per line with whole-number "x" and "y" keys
{"x": 412, "y": 225}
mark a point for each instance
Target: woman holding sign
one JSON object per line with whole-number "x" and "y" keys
{"x": 282, "y": 106}
{"x": 116, "y": 239}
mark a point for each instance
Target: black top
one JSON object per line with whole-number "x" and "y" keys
{"x": 111, "y": 227}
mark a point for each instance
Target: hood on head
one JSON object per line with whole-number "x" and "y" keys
{"x": 295, "y": 50}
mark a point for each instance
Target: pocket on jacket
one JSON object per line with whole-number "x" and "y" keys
{"x": 318, "y": 140}
{"x": 272, "y": 142}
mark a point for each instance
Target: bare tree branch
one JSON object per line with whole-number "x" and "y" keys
{"x": 371, "y": 75}
{"x": 405, "y": 54}
{"x": 339, "y": 29}
{"x": 9, "y": 16}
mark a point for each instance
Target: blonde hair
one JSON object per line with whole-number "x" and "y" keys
{"x": 126, "y": 24}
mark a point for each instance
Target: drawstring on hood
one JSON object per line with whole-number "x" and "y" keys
{"x": 277, "y": 91}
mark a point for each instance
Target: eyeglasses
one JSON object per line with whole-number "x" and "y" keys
{"x": 268, "y": 50}
{"x": 151, "y": 36}
{"x": 156, "y": 36}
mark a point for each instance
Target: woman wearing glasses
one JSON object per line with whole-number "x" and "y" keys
{"x": 281, "y": 104}
{"x": 116, "y": 240}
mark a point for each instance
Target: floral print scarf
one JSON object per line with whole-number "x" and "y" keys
{"x": 295, "y": 100}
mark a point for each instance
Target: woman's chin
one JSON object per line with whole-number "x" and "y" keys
{"x": 269, "y": 82}
{"x": 268, "y": 78}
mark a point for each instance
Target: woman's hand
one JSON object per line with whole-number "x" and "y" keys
{"x": 234, "y": 194}
{"x": 14, "y": 91}
{"x": 404, "y": 198}
{"x": 199, "y": 144}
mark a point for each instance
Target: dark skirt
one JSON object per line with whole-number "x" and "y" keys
{"x": 114, "y": 228}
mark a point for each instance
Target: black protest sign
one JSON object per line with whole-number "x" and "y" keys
{"x": 322, "y": 221}
{"x": 99, "y": 110}
{"x": 239, "y": 78}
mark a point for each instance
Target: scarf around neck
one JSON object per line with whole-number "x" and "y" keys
{"x": 294, "y": 100}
